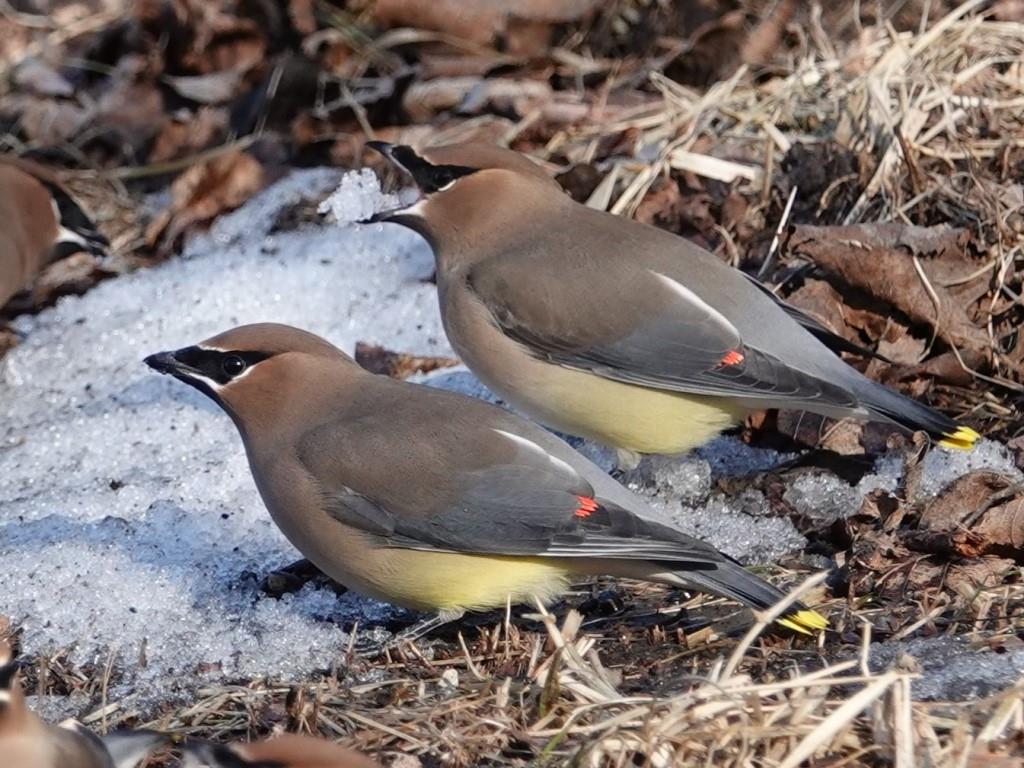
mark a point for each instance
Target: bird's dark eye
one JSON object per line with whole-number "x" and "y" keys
{"x": 233, "y": 365}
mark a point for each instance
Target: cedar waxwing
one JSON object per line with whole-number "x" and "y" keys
{"x": 606, "y": 328}
{"x": 430, "y": 499}
{"x": 41, "y": 223}
{"x": 28, "y": 742}
{"x": 285, "y": 751}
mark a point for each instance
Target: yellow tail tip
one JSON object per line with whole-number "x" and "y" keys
{"x": 963, "y": 439}
{"x": 806, "y": 622}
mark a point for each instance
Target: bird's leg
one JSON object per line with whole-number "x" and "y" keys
{"x": 293, "y": 577}
{"x": 626, "y": 460}
{"x": 410, "y": 634}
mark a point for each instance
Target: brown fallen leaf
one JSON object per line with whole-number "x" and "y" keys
{"x": 191, "y": 133}
{"x": 214, "y": 88}
{"x": 880, "y": 260}
{"x": 823, "y": 302}
{"x": 71, "y": 276}
{"x": 762, "y": 42}
{"x": 472, "y": 95}
{"x": 945, "y": 544}
{"x": 397, "y": 365}
{"x": 964, "y": 498}
{"x": 46, "y": 121}
{"x": 946, "y": 368}
{"x": 969, "y": 578}
{"x": 1003, "y": 527}
{"x": 478, "y": 21}
{"x": 662, "y": 205}
{"x": 204, "y": 191}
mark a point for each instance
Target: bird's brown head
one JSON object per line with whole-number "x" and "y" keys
{"x": 264, "y": 375}
{"x": 11, "y": 702}
{"x": 468, "y": 192}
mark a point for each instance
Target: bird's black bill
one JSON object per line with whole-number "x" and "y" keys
{"x": 181, "y": 365}
{"x": 205, "y": 369}
{"x": 428, "y": 178}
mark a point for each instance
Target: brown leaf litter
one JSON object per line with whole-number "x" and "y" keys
{"x": 203, "y": 192}
{"x": 928, "y": 274}
{"x": 397, "y": 365}
{"x": 898, "y": 139}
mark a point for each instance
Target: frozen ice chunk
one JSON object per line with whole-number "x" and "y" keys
{"x": 822, "y": 497}
{"x": 728, "y": 456}
{"x": 888, "y": 471}
{"x": 942, "y": 466}
{"x": 743, "y": 528}
{"x": 951, "y": 670}
{"x": 359, "y": 196}
{"x": 685, "y": 479}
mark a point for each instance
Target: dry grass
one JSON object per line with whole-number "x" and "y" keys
{"x": 939, "y": 113}
{"x": 552, "y": 693}
{"x": 937, "y": 117}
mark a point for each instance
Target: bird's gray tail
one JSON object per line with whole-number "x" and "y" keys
{"x": 889, "y": 405}
{"x": 731, "y": 580}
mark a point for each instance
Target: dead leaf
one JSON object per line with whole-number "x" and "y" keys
{"x": 963, "y": 498}
{"x": 472, "y": 95}
{"x": 397, "y": 365}
{"x": 132, "y": 107}
{"x": 478, "y": 21}
{"x": 214, "y": 88}
{"x": 1003, "y": 526}
{"x": 880, "y": 260}
{"x": 945, "y": 544}
{"x": 44, "y": 121}
{"x": 73, "y": 275}
{"x": 762, "y": 42}
{"x": 969, "y": 578}
{"x": 189, "y": 133}
{"x": 204, "y": 191}
{"x": 40, "y": 78}
{"x": 822, "y": 302}
{"x": 662, "y": 206}
{"x": 899, "y": 346}
{"x": 844, "y": 437}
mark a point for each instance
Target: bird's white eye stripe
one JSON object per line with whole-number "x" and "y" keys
{"x": 5, "y": 696}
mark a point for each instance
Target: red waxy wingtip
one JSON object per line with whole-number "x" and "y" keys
{"x": 732, "y": 357}
{"x": 587, "y": 506}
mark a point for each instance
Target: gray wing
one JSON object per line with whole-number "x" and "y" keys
{"x": 637, "y": 325}
{"x": 465, "y": 476}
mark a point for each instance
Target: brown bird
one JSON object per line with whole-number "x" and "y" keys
{"x": 429, "y": 499}
{"x": 285, "y": 751}
{"x": 28, "y": 742}
{"x": 41, "y": 223}
{"x": 613, "y": 330}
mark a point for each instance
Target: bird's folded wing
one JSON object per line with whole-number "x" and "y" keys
{"x": 535, "y": 505}
{"x": 646, "y": 328}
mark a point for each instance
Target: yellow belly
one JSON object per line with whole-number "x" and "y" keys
{"x": 441, "y": 581}
{"x": 624, "y": 416}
